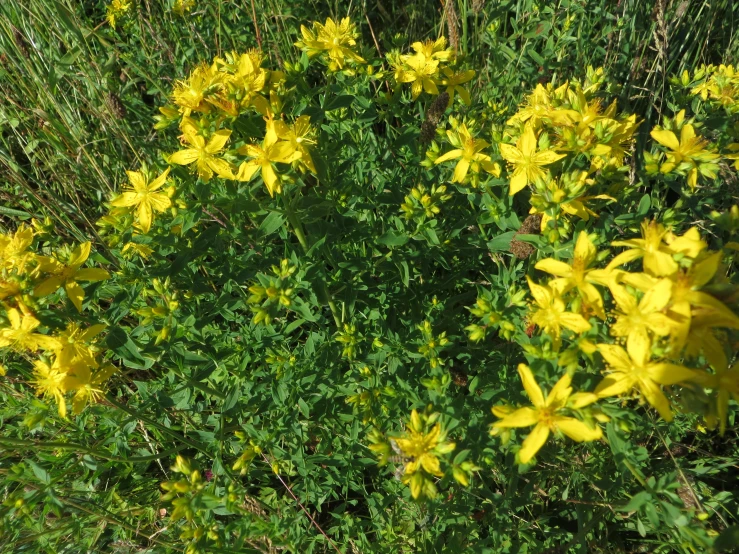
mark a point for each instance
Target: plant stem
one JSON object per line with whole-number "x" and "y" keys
{"x": 297, "y": 226}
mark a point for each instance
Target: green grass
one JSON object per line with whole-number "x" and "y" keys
{"x": 80, "y": 97}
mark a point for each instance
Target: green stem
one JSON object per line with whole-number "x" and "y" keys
{"x": 297, "y": 226}
{"x": 36, "y": 445}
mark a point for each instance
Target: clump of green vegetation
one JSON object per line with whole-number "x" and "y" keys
{"x": 272, "y": 281}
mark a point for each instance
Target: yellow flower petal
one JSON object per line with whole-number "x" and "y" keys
{"x": 460, "y": 171}
{"x": 533, "y": 443}
{"x": 451, "y": 155}
{"x": 669, "y": 374}
{"x": 530, "y": 385}
{"x": 217, "y": 141}
{"x": 666, "y": 138}
{"x": 91, "y": 274}
{"x": 137, "y": 180}
{"x": 144, "y": 216}
{"x": 125, "y": 199}
{"x": 510, "y": 153}
{"x": 614, "y": 385}
{"x": 184, "y": 157}
{"x": 518, "y": 182}
{"x": 159, "y": 181}
{"x": 75, "y": 294}
{"x": 523, "y": 417}
{"x": 554, "y": 267}
{"x": 578, "y": 430}
{"x": 654, "y": 395}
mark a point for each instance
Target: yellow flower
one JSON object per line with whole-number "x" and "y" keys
{"x": 202, "y": 153}
{"x": 88, "y": 385}
{"x": 116, "y": 9}
{"x": 551, "y": 314}
{"x": 335, "y": 40}
{"x": 20, "y": 335}
{"x": 470, "y": 154}
{"x": 690, "y": 244}
{"x": 578, "y": 275}
{"x": 143, "y": 197}
{"x": 686, "y": 154}
{"x": 50, "y": 381}
{"x": 657, "y": 256}
{"x": 67, "y": 275}
{"x": 687, "y": 296}
{"x": 546, "y": 415}
{"x": 182, "y": 7}
{"x": 565, "y": 195}
{"x": 423, "y": 450}
{"x": 271, "y": 151}
{"x": 734, "y": 156}
{"x": 701, "y": 338}
{"x": 433, "y": 49}
{"x": 453, "y": 82}
{"x": 631, "y": 369}
{"x": 527, "y": 163}
{"x": 614, "y": 151}
{"x": 636, "y": 320}
{"x": 299, "y": 135}
{"x": 538, "y": 106}
{"x": 421, "y": 72}
{"x": 190, "y": 95}
{"x": 137, "y": 248}
{"x": 245, "y": 83}
{"x": 14, "y": 253}
{"x": 73, "y": 343}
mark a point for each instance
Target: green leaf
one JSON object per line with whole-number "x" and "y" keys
{"x": 271, "y": 223}
{"x": 636, "y": 502}
{"x": 14, "y": 213}
{"x": 337, "y": 102}
{"x": 119, "y": 342}
{"x": 40, "y": 473}
{"x": 391, "y": 238}
{"x": 728, "y": 540}
{"x": 501, "y": 242}
{"x": 303, "y": 407}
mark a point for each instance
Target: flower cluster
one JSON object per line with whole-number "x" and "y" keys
{"x": 718, "y": 85}
{"x": 670, "y": 321}
{"x": 431, "y": 66}
{"x": 567, "y": 126}
{"x": 695, "y": 147}
{"x": 271, "y": 293}
{"x": 496, "y": 311}
{"x": 422, "y": 204}
{"x": 69, "y": 362}
{"x": 117, "y": 10}
{"x": 333, "y": 43}
{"x": 688, "y": 155}
{"x": 418, "y": 450}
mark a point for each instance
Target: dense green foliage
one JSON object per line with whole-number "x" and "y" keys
{"x": 264, "y": 342}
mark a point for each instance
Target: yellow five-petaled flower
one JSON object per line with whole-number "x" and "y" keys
{"x": 551, "y": 313}
{"x": 144, "y": 198}
{"x": 21, "y": 336}
{"x": 526, "y": 161}
{"x": 632, "y": 369}
{"x": 271, "y": 151}
{"x": 469, "y": 154}
{"x": 202, "y": 153}
{"x": 547, "y": 414}
{"x": 68, "y": 274}
{"x": 579, "y": 275}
